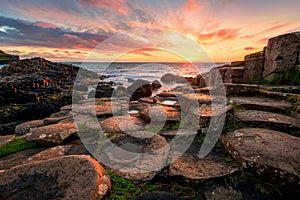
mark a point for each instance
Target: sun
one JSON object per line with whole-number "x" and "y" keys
{"x": 192, "y": 37}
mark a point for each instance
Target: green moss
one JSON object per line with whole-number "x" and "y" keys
{"x": 16, "y": 145}
{"x": 124, "y": 189}
{"x": 289, "y": 77}
{"x": 259, "y": 81}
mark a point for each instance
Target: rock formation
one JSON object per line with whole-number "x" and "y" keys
{"x": 7, "y": 58}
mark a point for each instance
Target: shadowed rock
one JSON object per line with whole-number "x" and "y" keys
{"x": 140, "y": 88}
{"x": 134, "y": 158}
{"x": 68, "y": 177}
{"x": 192, "y": 168}
{"x": 269, "y": 152}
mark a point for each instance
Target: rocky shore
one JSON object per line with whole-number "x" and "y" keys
{"x": 49, "y": 148}
{"x": 7, "y": 58}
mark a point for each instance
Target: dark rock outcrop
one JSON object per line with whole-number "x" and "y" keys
{"x": 35, "y": 88}
{"x": 282, "y": 53}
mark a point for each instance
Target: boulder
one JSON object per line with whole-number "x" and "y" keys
{"x": 171, "y": 78}
{"x": 156, "y": 85}
{"x": 139, "y": 89}
{"x": 271, "y": 153}
{"x": 51, "y": 134}
{"x": 68, "y": 177}
{"x": 24, "y": 128}
{"x": 281, "y": 54}
{"x": 103, "y": 89}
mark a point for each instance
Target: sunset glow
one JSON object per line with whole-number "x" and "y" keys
{"x": 69, "y": 30}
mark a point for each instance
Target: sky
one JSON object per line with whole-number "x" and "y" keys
{"x": 143, "y": 30}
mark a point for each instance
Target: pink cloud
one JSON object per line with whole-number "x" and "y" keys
{"x": 191, "y": 5}
{"x": 223, "y": 34}
{"x": 119, "y": 6}
{"x": 249, "y": 48}
{"x": 45, "y": 25}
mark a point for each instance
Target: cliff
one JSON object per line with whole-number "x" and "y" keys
{"x": 277, "y": 64}
{"x": 7, "y": 58}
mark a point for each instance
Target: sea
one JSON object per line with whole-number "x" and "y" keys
{"x": 122, "y": 72}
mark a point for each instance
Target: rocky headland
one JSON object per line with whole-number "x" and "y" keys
{"x": 7, "y": 58}
{"x": 49, "y": 147}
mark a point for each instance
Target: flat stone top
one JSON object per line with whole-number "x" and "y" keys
{"x": 209, "y": 111}
{"x": 261, "y": 102}
{"x": 262, "y": 116}
{"x": 190, "y": 166}
{"x": 135, "y": 158}
{"x": 70, "y": 177}
{"x": 266, "y": 147}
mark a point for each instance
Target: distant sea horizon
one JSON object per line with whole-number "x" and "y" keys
{"x": 121, "y": 72}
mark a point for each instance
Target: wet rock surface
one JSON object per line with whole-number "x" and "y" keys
{"x": 56, "y": 179}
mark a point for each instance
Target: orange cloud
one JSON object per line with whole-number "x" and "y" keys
{"x": 191, "y": 5}
{"x": 223, "y": 34}
{"x": 249, "y": 48}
